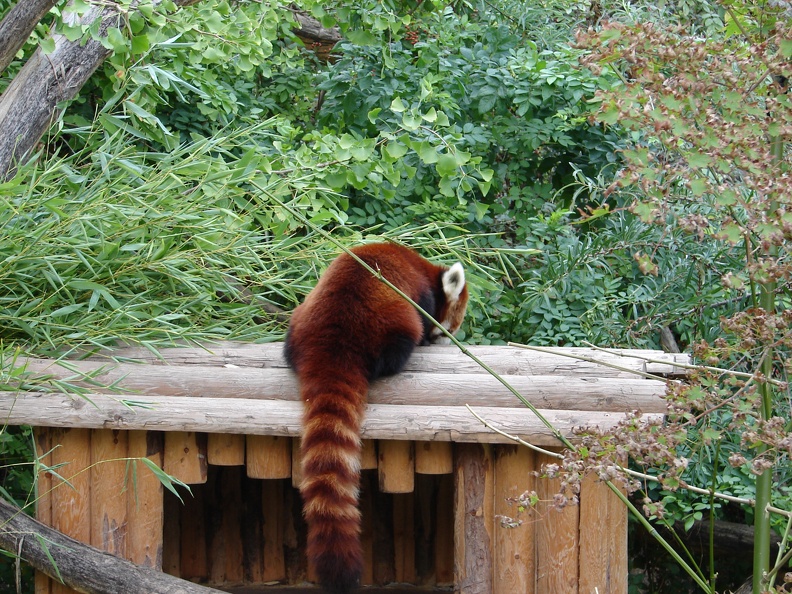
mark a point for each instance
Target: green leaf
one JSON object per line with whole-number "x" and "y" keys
{"x": 372, "y": 115}
{"x": 360, "y": 37}
{"x": 698, "y": 186}
{"x": 430, "y": 116}
{"x": 446, "y": 165}
{"x": 395, "y": 150}
{"x": 47, "y": 45}
{"x": 397, "y": 105}
{"x": 140, "y": 44}
{"x": 786, "y": 47}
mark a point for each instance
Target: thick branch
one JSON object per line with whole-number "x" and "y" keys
{"x": 15, "y": 28}
{"x": 29, "y": 105}
{"x": 81, "y": 566}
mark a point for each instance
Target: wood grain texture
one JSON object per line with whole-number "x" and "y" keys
{"x": 434, "y": 457}
{"x": 473, "y": 479}
{"x": 269, "y": 456}
{"x": 145, "y": 503}
{"x": 271, "y": 417}
{"x": 556, "y": 538}
{"x": 43, "y": 439}
{"x": 396, "y": 466}
{"x": 71, "y": 498}
{"x": 83, "y": 567}
{"x": 603, "y": 539}
{"x": 432, "y": 359}
{"x": 430, "y": 387}
{"x": 185, "y": 456}
{"x": 225, "y": 449}
{"x": 108, "y": 499}
{"x": 514, "y": 549}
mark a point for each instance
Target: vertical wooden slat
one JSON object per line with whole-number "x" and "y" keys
{"x": 556, "y": 539}
{"x": 108, "y": 500}
{"x": 273, "y": 503}
{"x": 252, "y": 535}
{"x": 43, "y": 439}
{"x": 185, "y": 456}
{"x": 396, "y": 466}
{"x": 368, "y": 455}
{"x": 171, "y": 534}
{"x": 294, "y": 537}
{"x": 296, "y": 469}
{"x": 366, "y": 502}
{"x": 513, "y": 548}
{"x": 404, "y": 537}
{"x": 145, "y": 501}
{"x": 434, "y": 457}
{"x": 269, "y": 456}
{"x": 473, "y": 479}
{"x": 71, "y": 513}
{"x": 225, "y": 449}
{"x": 193, "y": 560}
{"x": 444, "y": 534}
{"x": 224, "y": 513}
{"x": 603, "y": 539}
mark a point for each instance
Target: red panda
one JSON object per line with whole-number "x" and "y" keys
{"x": 350, "y": 330}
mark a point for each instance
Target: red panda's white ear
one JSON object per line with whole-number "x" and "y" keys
{"x": 454, "y": 281}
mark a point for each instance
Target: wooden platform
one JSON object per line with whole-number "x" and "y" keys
{"x": 225, "y": 420}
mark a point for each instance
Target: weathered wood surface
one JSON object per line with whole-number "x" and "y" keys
{"x": 433, "y": 359}
{"x": 17, "y": 25}
{"x": 427, "y": 387}
{"x": 31, "y": 102}
{"x": 274, "y": 417}
{"x": 81, "y": 566}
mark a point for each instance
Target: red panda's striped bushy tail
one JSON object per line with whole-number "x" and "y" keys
{"x": 331, "y": 477}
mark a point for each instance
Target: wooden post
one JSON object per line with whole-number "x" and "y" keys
{"x": 71, "y": 505}
{"x": 396, "y": 466}
{"x": 269, "y": 457}
{"x": 368, "y": 455}
{"x": 434, "y": 457}
{"x": 193, "y": 559}
{"x": 556, "y": 539}
{"x": 43, "y": 439}
{"x": 108, "y": 500}
{"x": 145, "y": 504}
{"x": 273, "y": 504}
{"x": 603, "y": 539}
{"x": 185, "y": 456}
{"x": 513, "y": 561}
{"x": 404, "y": 537}
{"x": 171, "y": 534}
{"x": 296, "y": 469}
{"x": 225, "y": 449}
{"x": 444, "y": 533}
{"x": 473, "y": 479}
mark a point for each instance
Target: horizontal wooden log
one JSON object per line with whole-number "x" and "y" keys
{"x": 434, "y": 359}
{"x": 410, "y": 388}
{"x": 274, "y": 417}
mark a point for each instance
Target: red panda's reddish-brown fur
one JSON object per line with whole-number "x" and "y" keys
{"x": 350, "y": 330}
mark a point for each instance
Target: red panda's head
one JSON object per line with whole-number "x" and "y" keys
{"x": 451, "y": 314}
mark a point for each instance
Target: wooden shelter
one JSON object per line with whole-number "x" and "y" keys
{"x": 225, "y": 420}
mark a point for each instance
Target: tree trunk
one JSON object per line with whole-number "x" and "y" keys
{"x": 81, "y": 566}
{"x": 15, "y": 28}
{"x": 30, "y": 103}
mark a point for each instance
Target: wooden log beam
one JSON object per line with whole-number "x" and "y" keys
{"x": 17, "y": 25}
{"x": 273, "y": 417}
{"x": 82, "y": 567}
{"x": 435, "y": 359}
{"x": 30, "y": 103}
{"x": 408, "y": 388}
